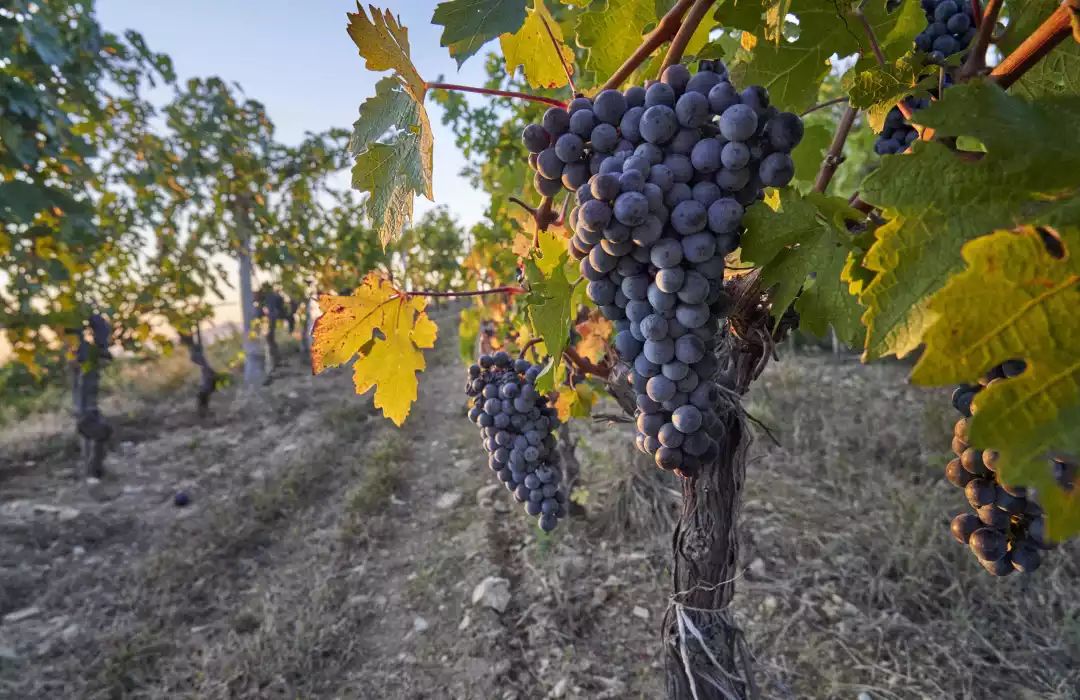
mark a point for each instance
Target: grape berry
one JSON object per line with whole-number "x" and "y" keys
{"x": 516, "y": 423}
{"x": 670, "y": 171}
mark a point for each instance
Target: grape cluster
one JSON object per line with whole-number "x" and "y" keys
{"x": 950, "y": 28}
{"x": 1006, "y": 530}
{"x": 516, "y": 423}
{"x": 662, "y": 176}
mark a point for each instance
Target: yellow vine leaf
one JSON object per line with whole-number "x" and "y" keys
{"x": 388, "y": 360}
{"x": 575, "y": 402}
{"x": 531, "y": 48}
{"x": 594, "y": 332}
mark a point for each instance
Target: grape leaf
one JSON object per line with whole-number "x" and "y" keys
{"x": 611, "y": 31}
{"x": 391, "y": 108}
{"x": 531, "y": 48}
{"x": 793, "y": 70}
{"x": 876, "y": 90}
{"x": 469, "y": 24}
{"x": 384, "y": 44}
{"x": 576, "y": 401}
{"x": 387, "y": 330}
{"x": 595, "y": 331}
{"x": 801, "y": 249}
{"x": 392, "y": 173}
{"x": 1033, "y": 300}
{"x": 549, "y": 302}
{"x": 1024, "y": 178}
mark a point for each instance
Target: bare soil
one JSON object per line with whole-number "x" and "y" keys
{"x": 326, "y": 554}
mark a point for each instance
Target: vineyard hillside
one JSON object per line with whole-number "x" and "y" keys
{"x": 326, "y": 554}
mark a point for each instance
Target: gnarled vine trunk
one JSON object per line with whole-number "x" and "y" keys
{"x": 309, "y": 328}
{"x": 93, "y": 429}
{"x": 207, "y": 375}
{"x": 706, "y": 657}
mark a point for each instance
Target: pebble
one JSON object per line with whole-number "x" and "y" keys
{"x": 448, "y": 500}
{"x": 419, "y": 624}
{"x": 22, "y": 614}
{"x": 492, "y": 592}
{"x": 641, "y": 612}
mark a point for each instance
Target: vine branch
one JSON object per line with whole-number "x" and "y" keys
{"x": 835, "y": 155}
{"x": 585, "y": 364}
{"x": 1050, "y": 33}
{"x": 665, "y": 29}
{"x": 498, "y": 93}
{"x": 526, "y": 346}
{"x": 874, "y": 43}
{"x": 823, "y": 105}
{"x": 976, "y": 60}
{"x": 508, "y": 289}
{"x": 685, "y": 33}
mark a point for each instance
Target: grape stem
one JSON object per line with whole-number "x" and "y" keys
{"x": 543, "y": 215}
{"x": 835, "y": 155}
{"x": 874, "y": 44}
{"x": 665, "y": 29}
{"x": 498, "y": 93}
{"x": 685, "y": 33}
{"x": 555, "y": 45}
{"x": 526, "y": 346}
{"x": 976, "y": 60}
{"x": 508, "y": 289}
{"x": 976, "y": 12}
{"x": 585, "y": 364}
{"x": 823, "y": 105}
{"x": 1050, "y": 33}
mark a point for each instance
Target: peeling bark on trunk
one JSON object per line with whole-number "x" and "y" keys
{"x": 706, "y": 655}
{"x": 275, "y": 311}
{"x": 93, "y": 429}
{"x": 207, "y": 375}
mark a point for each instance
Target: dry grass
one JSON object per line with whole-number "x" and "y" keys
{"x": 863, "y": 588}
{"x": 384, "y": 475}
{"x": 258, "y": 589}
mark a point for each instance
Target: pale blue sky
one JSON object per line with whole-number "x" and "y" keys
{"x": 296, "y": 58}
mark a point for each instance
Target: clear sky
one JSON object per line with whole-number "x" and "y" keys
{"x": 295, "y": 57}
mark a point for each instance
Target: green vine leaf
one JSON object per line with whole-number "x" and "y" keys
{"x": 531, "y": 48}
{"x": 936, "y": 200}
{"x": 469, "y": 24}
{"x": 802, "y": 248}
{"x": 611, "y": 31}
{"x": 793, "y": 70}
{"x": 1015, "y": 301}
{"x": 549, "y": 302}
{"x": 392, "y": 173}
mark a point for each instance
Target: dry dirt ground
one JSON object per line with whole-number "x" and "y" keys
{"x": 326, "y": 554}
